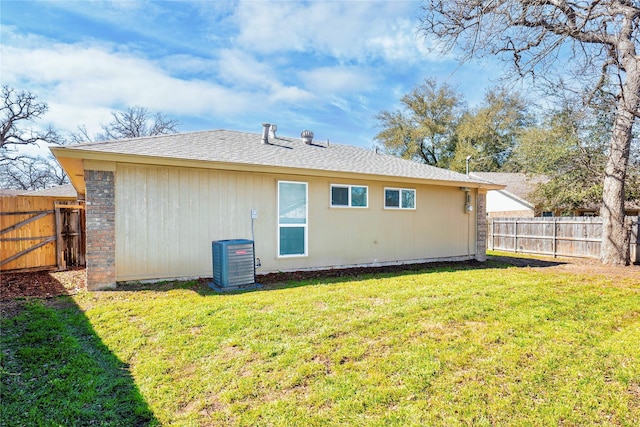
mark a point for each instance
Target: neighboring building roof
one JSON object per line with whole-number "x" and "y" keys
{"x": 10, "y": 192}
{"x": 66, "y": 191}
{"x": 242, "y": 149}
{"x": 518, "y": 184}
{"x": 629, "y": 205}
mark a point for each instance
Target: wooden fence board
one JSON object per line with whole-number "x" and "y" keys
{"x": 557, "y": 236}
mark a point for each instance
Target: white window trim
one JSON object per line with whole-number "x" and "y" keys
{"x": 305, "y": 225}
{"x": 400, "y": 208}
{"x": 349, "y": 205}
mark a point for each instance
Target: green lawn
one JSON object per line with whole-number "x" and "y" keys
{"x": 444, "y": 347}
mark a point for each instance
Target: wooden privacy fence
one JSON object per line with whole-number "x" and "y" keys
{"x": 38, "y": 232}
{"x": 557, "y": 236}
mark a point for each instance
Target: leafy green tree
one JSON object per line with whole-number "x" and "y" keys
{"x": 490, "y": 133}
{"x": 424, "y": 128}
{"x": 594, "y": 40}
{"x": 570, "y": 147}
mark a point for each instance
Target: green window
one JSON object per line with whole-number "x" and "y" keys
{"x": 399, "y": 198}
{"x": 354, "y": 196}
{"x": 292, "y": 218}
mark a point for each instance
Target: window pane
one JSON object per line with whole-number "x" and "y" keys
{"x": 293, "y": 203}
{"x": 291, "y": 240}
{"x": 392, "y": 198}
{"x": 359, "y": 196}
{"x": 339, "y": 196}
{"x": 408, "y": 199}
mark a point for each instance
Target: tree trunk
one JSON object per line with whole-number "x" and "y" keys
{"x": 615, "y": 233}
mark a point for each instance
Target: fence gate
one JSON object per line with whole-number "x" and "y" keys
{"x": 70, "y": 220}
{"x": 36, "y": 232}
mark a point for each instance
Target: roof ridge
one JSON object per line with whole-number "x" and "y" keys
{"x": 137, "y": 138}
{"x": 245, "y": 148}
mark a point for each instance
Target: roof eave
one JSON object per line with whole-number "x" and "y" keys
{"x": 72, "y": 160}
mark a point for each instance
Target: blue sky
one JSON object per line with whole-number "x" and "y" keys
{"x": 327, "y": 66}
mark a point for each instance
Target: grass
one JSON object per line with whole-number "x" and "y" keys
{"x": 55, "y": 371}
{"x": 450, "y": 347}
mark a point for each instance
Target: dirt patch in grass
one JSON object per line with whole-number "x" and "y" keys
{"x": 584, "y": 266}
{"x": 49, "y": 284}
{"x": 42, "y": 284}
{"x": 298, "y": 276}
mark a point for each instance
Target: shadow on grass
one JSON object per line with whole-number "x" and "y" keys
{"x": 272, "y": 281}
{"x": 55, "y": 370}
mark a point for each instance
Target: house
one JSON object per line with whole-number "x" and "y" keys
{"x": 513, "y": 201}
{"x": 5, "y": 192}
{"x": 631, "y": 208}
{"x": 64, "y": 192}
{"x": 155, "y": 204}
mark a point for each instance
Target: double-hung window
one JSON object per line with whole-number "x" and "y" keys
{"x": 399, "y": 198}
{"x": 349, "y": 196}
{"x": 292, "y": 218}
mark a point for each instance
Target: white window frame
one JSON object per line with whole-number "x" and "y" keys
{"x": 349, "y": 203}
{"x": 305, "y": 225}
{"x": 400, "y": 190}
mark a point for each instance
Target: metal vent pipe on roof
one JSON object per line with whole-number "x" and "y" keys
{"x": 306, "y": 136}
{"x": 265, "y": 132}
{"x": 272, "y": 131}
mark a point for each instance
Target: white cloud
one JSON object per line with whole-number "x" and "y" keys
{"x": 90, "y": 78}
{"x": 227, "y": 61}
{"x": 289, "y": 95}
{"x": 328, "y": 80}
{"x": 241, "y": 69}
{"x": 346, "y": 30}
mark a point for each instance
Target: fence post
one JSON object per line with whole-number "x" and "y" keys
{"x": 635, "y": 241}
{"x": 59, "y": 243}
{"x": 515, "y": 236}
{"x": 490, "y": 236}
{"x": 555, "y": 235}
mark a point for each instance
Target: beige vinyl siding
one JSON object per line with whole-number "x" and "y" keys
{"x": 167, "y": 217}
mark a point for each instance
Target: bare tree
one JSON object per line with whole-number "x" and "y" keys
{"x": 19, "y": 108}
{"x": 18, "y": 168}
{"x": 31, "y": 173}
{"x": 134, "y": 123}
{"x": 596, "y": 39}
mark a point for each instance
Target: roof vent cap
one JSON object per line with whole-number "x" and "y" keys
{"x": 265, "y": 133}
{"x": 306, "y": 136}
{"x": 272, "y": 131}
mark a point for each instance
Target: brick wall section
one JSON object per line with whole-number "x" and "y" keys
{"x": 481, "y": 227}
{"x": 101, "y": 229}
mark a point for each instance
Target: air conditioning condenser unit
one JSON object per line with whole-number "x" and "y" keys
{"x": 233, "y": 265}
